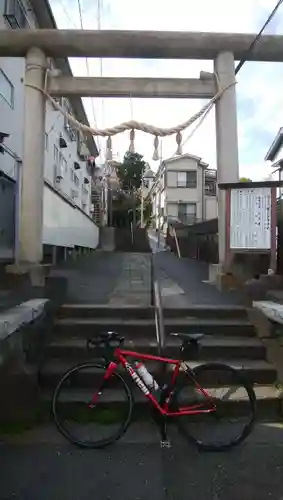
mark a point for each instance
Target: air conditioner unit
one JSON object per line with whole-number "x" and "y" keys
{"x": 71, "y": 132}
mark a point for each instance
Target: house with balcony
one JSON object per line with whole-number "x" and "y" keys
{"x": 67, "y": 221}
{"x": 184, "y": 191}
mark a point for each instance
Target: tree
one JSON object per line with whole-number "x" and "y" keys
{"x": 245, "y": 179}
{"x": 130, "y": 174}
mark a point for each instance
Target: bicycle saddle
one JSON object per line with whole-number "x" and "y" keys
{"x": 108, "y": 336}
{"x": 104, "y": 337}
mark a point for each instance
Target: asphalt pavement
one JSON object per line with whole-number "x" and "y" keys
{"x": 40, "y": 465}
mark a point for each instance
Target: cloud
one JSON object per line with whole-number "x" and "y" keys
{"x": 259, "y": 95}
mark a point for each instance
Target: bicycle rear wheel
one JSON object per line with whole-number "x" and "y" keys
{"x": 233, "y": 419}
{"x": 86, "y": 424}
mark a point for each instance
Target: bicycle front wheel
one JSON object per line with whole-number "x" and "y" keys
{"x": 83, "y": 421}
{"x": 235, "y": 407}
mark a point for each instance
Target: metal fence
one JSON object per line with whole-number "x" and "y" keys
{"x": 198, "y": 241}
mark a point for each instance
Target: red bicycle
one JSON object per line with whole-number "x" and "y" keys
{"x": 185, "y": 396}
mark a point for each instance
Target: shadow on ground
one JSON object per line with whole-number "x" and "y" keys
{"x": 41, "y": 465}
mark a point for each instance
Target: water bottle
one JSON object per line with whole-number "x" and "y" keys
{"x": 146, "y": 376}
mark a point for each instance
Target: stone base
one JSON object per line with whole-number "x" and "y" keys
{"x": 213, "y": 271}
{"x": 19, "y": 395}
{"x": 223, "y": 280}
{"x": 35, "y": 272}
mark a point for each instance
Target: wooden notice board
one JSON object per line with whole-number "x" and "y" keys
{"x": 250, "y": 219}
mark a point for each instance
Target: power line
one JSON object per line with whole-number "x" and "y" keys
{"x": 68, "y": 15}
{"x": 254, "y": 42}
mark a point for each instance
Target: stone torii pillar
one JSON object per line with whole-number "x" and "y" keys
{"x": 32, "y": 181}
{"x": 226, "y": 141}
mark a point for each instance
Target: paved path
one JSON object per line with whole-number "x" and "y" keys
{"x": 91, "y": 278}
{"x": 45, "y": 467}
{"x": 190, "y": 275}
{"x": 133, "y": 286}
{"x": 188, "y": 278}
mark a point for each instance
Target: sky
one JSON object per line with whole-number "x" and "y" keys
{"x": 259, "y": 85}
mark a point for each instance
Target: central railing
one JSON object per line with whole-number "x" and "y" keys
{"x": 158, "y": 310}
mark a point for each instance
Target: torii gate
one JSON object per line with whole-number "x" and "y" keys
{"x": 37, "y": 45}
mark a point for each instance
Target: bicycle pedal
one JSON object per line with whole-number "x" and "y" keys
{"x": 165, "y": 444}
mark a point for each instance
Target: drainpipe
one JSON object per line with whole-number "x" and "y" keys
{"x": 203, "y": 208}
{"x": 18, "y": 167}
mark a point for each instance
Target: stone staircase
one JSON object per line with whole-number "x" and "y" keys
{"x": 231, "y": 338}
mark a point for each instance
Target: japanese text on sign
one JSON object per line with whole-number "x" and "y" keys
{"x": 250, "y": 219}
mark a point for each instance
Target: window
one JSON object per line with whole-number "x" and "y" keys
{"x": 15, "y": 14}
{"x": 187, "y": 179}
{"x": 187, "y": 213}
{"x": 210, "y": 181}
{"x": 182, "y": 178}
{"x": 76, "y": 180}
{"x": 210, "y": 188}
{"x": 82, "y": 149}
{"x": 56, "y": 155}
{"x": 6, "y": 88}
{"x": 69, "y": 127}
{"x": 62, "y": 163}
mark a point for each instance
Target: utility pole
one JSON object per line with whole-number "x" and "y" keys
{"x": 142, "y": 218}
{"x": 159, "y": 214}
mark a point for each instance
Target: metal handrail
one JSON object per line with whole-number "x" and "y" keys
{"x": 159, "y": 318}
{"x": 158, "y": 313}
{"x": 132, "y": 232}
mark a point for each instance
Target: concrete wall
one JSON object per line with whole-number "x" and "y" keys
{"x": 65, "y": 225}
{"x": 211, "y": 207}
{"x": 72, "y": 184}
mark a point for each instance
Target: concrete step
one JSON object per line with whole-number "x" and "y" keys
{"x": 85, "y": 311}
{"x": 127, "y": 312}
{"x": 210, "y": 348}
{"x": 132, "y": 328}
{"x": 260, "y": 372}
{"x": 269, "y": 400}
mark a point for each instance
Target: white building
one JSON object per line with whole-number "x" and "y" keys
{"x": 67, "y": 218}
{"x": 184, "y": 190}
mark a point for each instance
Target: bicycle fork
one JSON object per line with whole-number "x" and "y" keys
{"x": 109, "y": 370}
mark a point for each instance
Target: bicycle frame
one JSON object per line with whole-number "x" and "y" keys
{"x": 120, "y": 356}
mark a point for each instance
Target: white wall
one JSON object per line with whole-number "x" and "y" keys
{"x": 176, "y": 195}
{"x": 11, "y": 122}
{"x": 66, "y": 225}
{"x": 12, "y": 118}
{"x": 54, "y": 126}
{"x": 211, "y": 207}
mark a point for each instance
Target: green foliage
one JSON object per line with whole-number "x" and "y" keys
{"x": 130, "y": 172}
{"x": 147, "y": 212}
{"x": 245, "y": 179}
